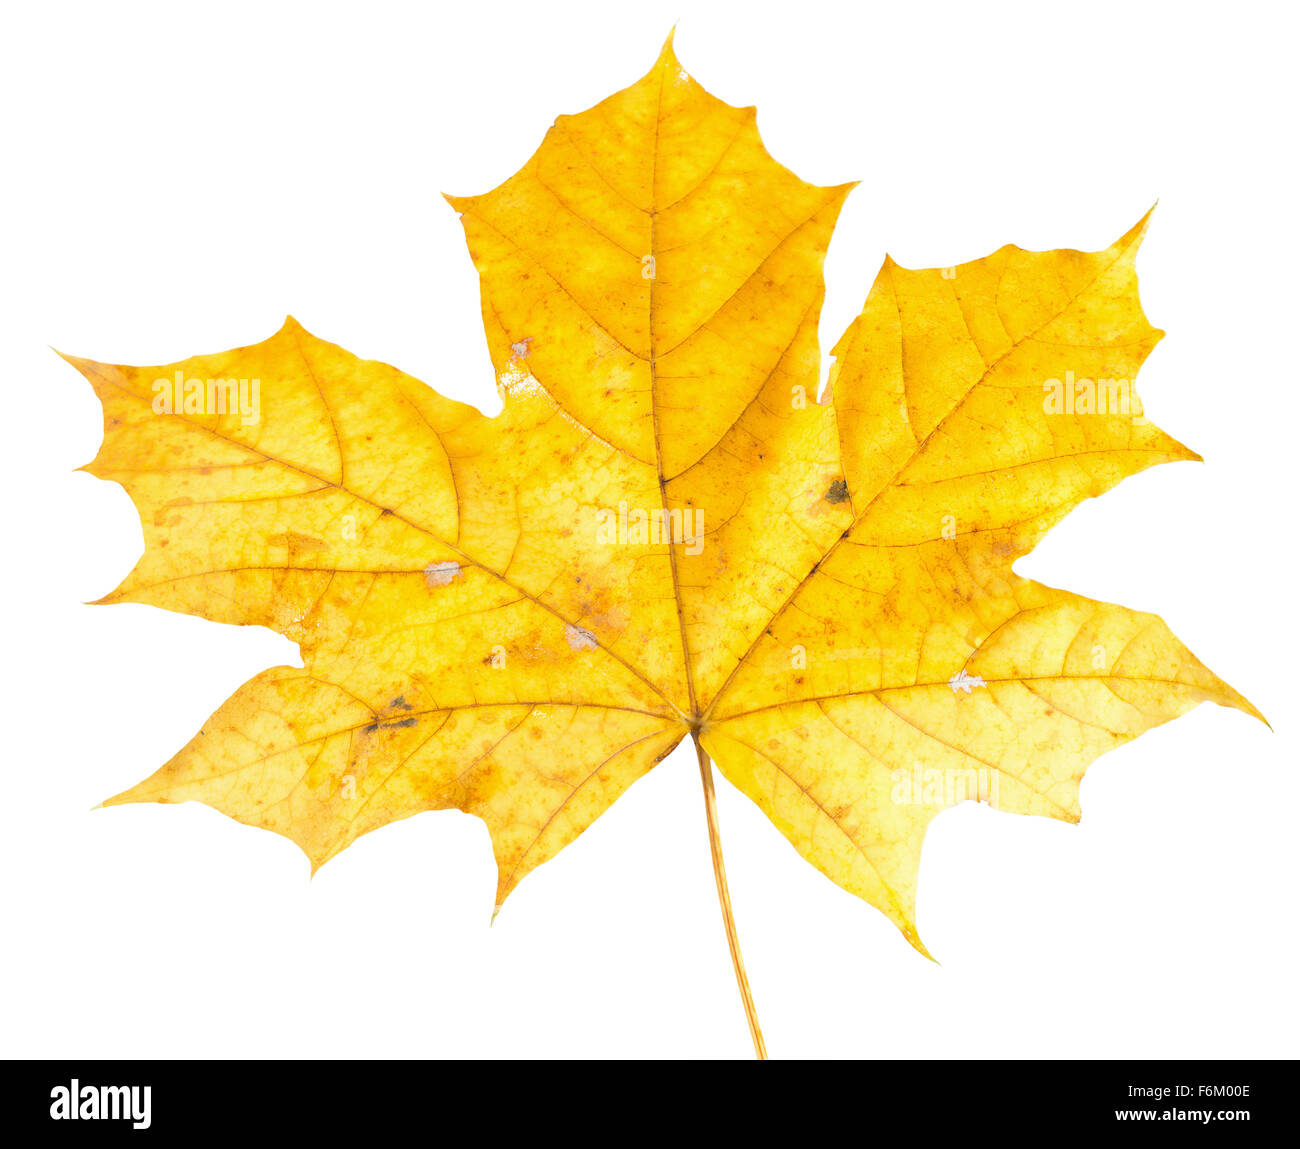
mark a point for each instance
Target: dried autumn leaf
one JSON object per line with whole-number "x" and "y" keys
{"x": 663, "y": 532}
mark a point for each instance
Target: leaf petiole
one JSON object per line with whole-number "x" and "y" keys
{"x": 724, "y": 899}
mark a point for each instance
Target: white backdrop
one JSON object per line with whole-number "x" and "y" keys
{"x": 178, "y": 178}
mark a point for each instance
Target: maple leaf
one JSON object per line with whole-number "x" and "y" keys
{"x": 664, "y": 532}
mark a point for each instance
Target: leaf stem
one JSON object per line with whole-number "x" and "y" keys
{"x": 724, "y": 899}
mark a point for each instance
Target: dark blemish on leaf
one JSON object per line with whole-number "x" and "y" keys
{"x": 400, "y": 703}
{"x": 839, "y": 492}
{"x": 389, "y": 725}
{"x": 296, "y": 543}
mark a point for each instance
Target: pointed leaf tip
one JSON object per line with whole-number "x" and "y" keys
{"x": 668, "y": 54}
{"x": 914, "y": 940}
{"x": 1137, "y": 233}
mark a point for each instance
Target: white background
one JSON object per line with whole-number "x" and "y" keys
{"x": 177, "y": 179}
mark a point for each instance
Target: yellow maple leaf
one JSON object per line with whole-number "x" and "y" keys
{"x": 664, "y": 532}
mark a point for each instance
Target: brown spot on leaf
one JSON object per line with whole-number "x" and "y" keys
{"x": 296, "y": 543}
